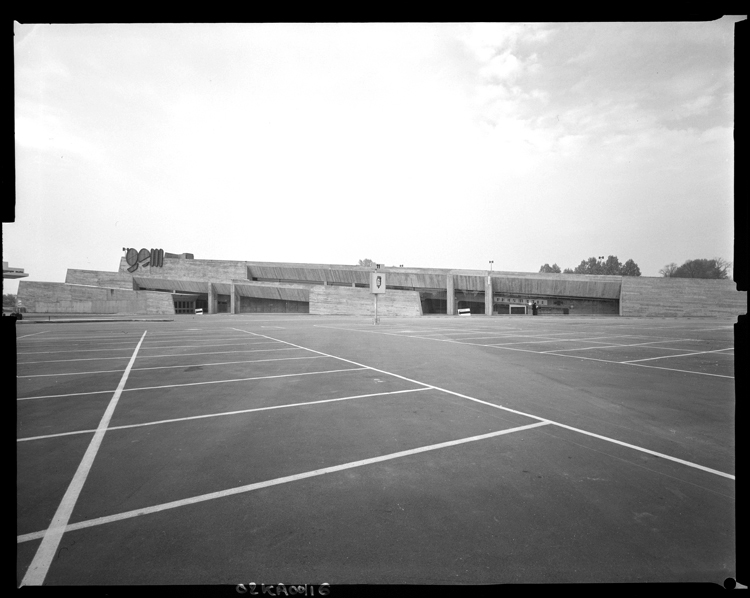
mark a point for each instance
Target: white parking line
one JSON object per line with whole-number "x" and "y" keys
{"x": 644, "y": 345}
{"x": 507, "y": 348}
{"x": 154, "y": 356}
{"x": 682, "y": 355}
{"x": 656, "y": 367}
{"x": 32, "y": 334}
{"x": 37, "y": 571}
{"x": 613, "y": 440}
{"x": 445, "y": 332}
{"x": 142, "y": 349}
{"x": 548, "y": 340}
{"x": 107, "y": 340}
{"x": 98, "y": 392}
{"x": 165, "y": 367}
{"x": 642, "y": 365}
{"x": 283, "y": 480}
{"x": 223, "y": 413}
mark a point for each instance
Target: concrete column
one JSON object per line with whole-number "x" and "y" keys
{"x": 488, "y": 295}
{"x": 211, "y": 299}
{"x": 451, "y": 296}
{"x": 233, "y": 301}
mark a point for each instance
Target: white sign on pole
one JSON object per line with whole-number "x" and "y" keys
{"x": 377, "y": 282}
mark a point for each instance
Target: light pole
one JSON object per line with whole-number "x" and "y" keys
{"x": 491, "y": 262}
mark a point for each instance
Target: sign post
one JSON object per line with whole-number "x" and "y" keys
{"x": 377, "y": 287}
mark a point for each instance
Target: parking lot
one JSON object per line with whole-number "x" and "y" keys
{"x": 439, "y": 450}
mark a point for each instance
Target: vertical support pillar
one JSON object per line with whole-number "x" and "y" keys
{"x": 211, "y": 299}
{"x": 233, "y": 300}
{"x": 488, "y": 295}
{"x": 450, "y": 296}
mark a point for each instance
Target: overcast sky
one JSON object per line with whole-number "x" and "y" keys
{"x": 427, "y": 145}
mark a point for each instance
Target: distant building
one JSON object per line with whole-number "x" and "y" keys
{"x": 156, "y": 282}
{"x": 10, "y": 272}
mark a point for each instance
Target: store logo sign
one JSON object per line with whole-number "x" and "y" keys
{"x": 144, "y": 257}
{"x": 520, "y": 300}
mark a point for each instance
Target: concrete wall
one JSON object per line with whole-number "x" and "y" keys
{"x": 666, "y": 297}
{"x": 181, "y": 269}
{"x": 99, "y": 278}
{"x": 261, "y": 305}
{"x": 580, "y": 307}
{"x": 564, "y": 285}
{"x": 60, "y": 297}
{"x": 331, "y": 300}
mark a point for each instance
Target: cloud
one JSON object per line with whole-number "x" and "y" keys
{"x": 457, "y": 127}
{"x": 48, "y": 134}
{"x": 501, "y": 67}
{"x": 486, "y": 40}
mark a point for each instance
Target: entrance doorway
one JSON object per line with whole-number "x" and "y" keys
{"x": 184, "y": 307}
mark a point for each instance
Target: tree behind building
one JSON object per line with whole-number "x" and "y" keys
{"x": 547, "y": 269}
{"x": 611, "y": 266}
{"x": 716, "y": 268}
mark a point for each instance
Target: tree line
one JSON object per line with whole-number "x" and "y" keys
{"x": 714, "y": 268}
{"x": 597, "y": 265}
{"x": 717, "y": 268}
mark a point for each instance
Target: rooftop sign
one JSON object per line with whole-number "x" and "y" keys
{"x": 144, "y": 257}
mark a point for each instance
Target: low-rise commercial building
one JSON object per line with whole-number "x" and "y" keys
{"x": 151, "y": 281}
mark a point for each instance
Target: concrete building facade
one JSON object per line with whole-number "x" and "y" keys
{"x": 157, "y": 282}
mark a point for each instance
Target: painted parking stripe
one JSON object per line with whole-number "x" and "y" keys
{"x": 37, "y": 571}
{"x": 673, "y": 356}
{"x": 506, "y": 348}
{"x": 32, "y": 334}
{"x": 223, "y": 413}
{"x": 98, "y": 392}
{"x": 644, "y": 345}
{"x": 153, "y": 356}
{"x": 645, "y": 450}
{"x": 283, "y": 480}
{"x": 547, "y": 340}
{"x": 606, "y": 438}
{"x": 599, "y": 360}
{"x": 131, "y": 340}
{"x": 656, "y": 367}
{"x": 164, "y": 367}
{"x": 142, "y": 349}
{"x": 107, "y": 340}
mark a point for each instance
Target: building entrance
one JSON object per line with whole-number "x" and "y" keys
{"x": 510, "y": 309}
{"x": 184, "y": 307}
